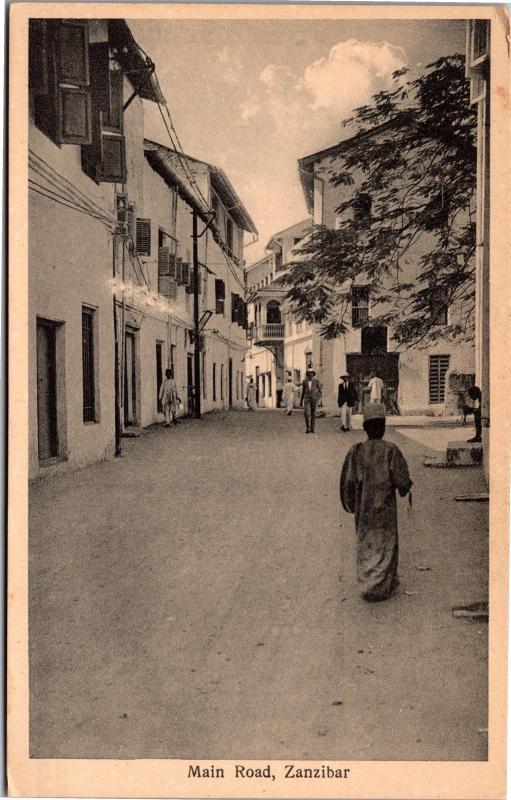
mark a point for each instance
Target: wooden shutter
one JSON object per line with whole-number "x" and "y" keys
{"x": 144, "y": 237}
{"x": 219, "y": 296}
{"x": 163, "y": 261}
{"x": 167, "y": 287}
{"x": 172, "y": 265}
{"x": 438, "y": 367}
{"x": 74, "y": 99}
{"x": 185, "y": 273}
{"x": 37, "y": 56}
{"x": 179, "y": 271}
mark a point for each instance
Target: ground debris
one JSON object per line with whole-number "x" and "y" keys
{"x": 423, "y": 569}
{"x": 411, "y": 593}
{"x": 337, "y": 703}
{"x": 477, "y": 610}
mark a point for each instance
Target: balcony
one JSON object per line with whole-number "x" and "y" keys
{"x": 271, "y": 332}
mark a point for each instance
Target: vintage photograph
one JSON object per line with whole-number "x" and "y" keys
{"x": 243, "y": 232}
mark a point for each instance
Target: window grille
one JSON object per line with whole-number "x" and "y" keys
{"x": 144, "y": 237}
{"x": 438, "y": 367}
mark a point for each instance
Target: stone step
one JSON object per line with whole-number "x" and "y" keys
{"x": 464, "y": 453}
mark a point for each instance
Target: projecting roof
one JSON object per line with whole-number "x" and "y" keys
{"x": 222, "y": 186}
{"x": 305, "y": 224}
{"x": 306, "y": 164}
{"x": 259, "y": 263}
{"x": 138, "y": 67}
{"x": 157, "y": 156}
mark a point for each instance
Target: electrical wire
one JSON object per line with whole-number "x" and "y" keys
{"x": 68, "y": 205}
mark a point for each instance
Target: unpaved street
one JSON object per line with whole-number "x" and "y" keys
{"x": 197, "y": 599}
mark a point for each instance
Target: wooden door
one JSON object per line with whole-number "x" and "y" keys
{"x": 130, "y": 383}
{"x": 47, "y": 390}
{"x": 230, "y": 383}
{"x": 189, "y": 378}
{"x": 361, "y": 367}
{"x": 159, "y": 374}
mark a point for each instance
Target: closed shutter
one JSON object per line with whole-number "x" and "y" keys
{"x": 167, "y": 287}
{"x": 144, "y": 237}
{"x": 172, "y": 265}
{"x": 179, "y": 271}
{"x": 37, "y": 56}
{"x": 163, "y": 261}
{"x": 438, "y": 367}
{"x": 185, "y": 273}
{"x": 89, "y": 399}
{"x": 219, "y": 296}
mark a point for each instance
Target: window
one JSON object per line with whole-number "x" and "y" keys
{"x": 235, "y": 309}
{"x": 88, "y": 366}
{"x": 438, "y": 367}
{"x": 237, "y": 385}
{"x": 219, "y": 296}
{"x": 143, "y": 237}
{"x": 362, "y": 209}
{"x": 104, "y": 160}
{"x": 167, "y": 285}
{"x": 278, "y": 261}
{"x": 440, "y": 315}
{"x": 359, "y": 306}
{"x": 59, "y": 79}
{"x": 214, "y": 382}
{"x": 480, "y": 36}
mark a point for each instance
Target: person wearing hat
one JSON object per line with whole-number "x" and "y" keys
{"x": 372, "y": 472}
{"x": 289, "y": 395}
{"x": 310, "y": 397}
{"x": 346, "y": 399}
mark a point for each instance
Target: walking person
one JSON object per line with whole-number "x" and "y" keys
{"x": 250, "y": 396}
{"x": 310, "y": 397}
{"x": 168, "y": 398}
{"x": 376, "y": 387}
{"x": 371, "y": 473}
{"x": 288, "y": 394}
{"x": 346, "y": 399}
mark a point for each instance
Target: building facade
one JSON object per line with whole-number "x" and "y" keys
{"x": 418, "y": 380}
{"x": 280, "y": 345}
{"x": 111, "y": 290}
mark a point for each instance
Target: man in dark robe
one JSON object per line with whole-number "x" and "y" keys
{"x": 371, "y": 473}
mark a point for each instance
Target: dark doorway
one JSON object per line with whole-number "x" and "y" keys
{"x": 47, "y": 390}
{"x": 374, "y": 340}
{"x": 159, "y": 374}
{"x": 362, "y": 367}
{"x": 273, "y": 316}
{"x": 189, "y": 380}
{"x": 230, "y": 383}
{"x": 130, "y": 380}
{"x": 257, "y": 387}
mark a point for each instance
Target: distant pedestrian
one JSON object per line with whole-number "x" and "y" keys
{"x": 250, "y": 396}
{"x": 310, "y": 397}
{"x": 346, "y": 399}
{"x": 376, "y": 387}
{"x": 371, "y": 473}
{"x": 168, "y": 398}
{"x": 289, "y": 395}
{"x": 474, "y": 408}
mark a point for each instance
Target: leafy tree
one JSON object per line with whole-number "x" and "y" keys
{"x": 408, "y": 180}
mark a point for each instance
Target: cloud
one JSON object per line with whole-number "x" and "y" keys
{"x": 326, "y": 92}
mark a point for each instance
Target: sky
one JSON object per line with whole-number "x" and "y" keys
{"x": 252, "y": 97}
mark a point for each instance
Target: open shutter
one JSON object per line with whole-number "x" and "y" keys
{"x": 167, "y": 287}
{"x": 74, "y": 99}
{"x": 172, "y": 265}
{"x": 186, "y": 273}
{"x": 144, "y": 237}
{"x": 179, "y": 271}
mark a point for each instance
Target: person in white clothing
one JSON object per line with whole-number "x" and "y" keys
{"x": 288, "y": 395}
{"x": 376, "y": 387}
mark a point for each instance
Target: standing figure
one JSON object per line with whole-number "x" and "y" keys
{"x": 168, "y": 397}
{"x": 250, "y": 396}
{"x": 346, "y": 399}
{"x": 311, "y": 395}
{"x": 474, "y": 394}
{"x": 289, "y": 395}
{"x": 376, "y": 387}
{"x": 371, "y": 473}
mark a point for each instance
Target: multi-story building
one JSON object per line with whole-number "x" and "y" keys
{"x": 279, "y": 343}
{"x": 111, "y": 290}
{"x": 86, "y": 85}
{"x": 478, "y": 72}
{"x": 416, "y": 378}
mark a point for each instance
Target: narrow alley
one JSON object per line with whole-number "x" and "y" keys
{"x": 197, "y": 598}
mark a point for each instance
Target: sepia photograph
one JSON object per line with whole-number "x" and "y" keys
{"x": 242, "y": 230}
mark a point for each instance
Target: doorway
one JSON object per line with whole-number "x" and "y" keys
{"x": 47, "y": 430}
{"x": 189, "y": 379}
{"x": 130, "y": 379}
{"x": 230, "y": 383}
{"x": 159, "y": 375}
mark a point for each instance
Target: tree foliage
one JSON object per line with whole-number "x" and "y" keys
{"x": 412, "y": 155}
